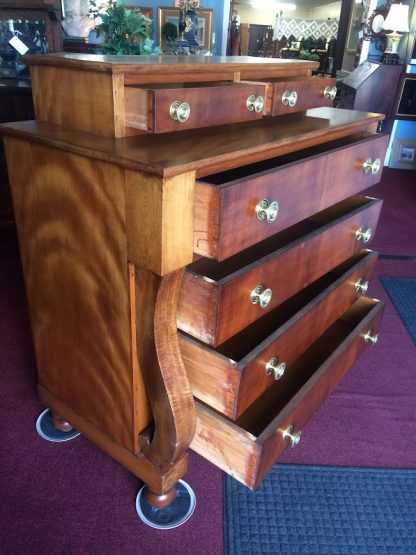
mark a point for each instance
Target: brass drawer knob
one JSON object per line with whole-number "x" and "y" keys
{"x": 293, "y": 438}
{"x": 267, "y": 211}
{"x": 330, "y": 92}
{"x": 261, "y": 296}
{"x": 370, "y": 337}
{"x": 361, "y": 286}
{"x": 372, "y": 166}
{"x": 363, "y": 234}
{"x": 180, "y": 111}
{"x": 276, "y": 368}
{"x": 255, "y": 103}
{"x": 289, "y": 98}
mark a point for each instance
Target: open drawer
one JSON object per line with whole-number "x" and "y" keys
{"x": 238, "y": 208}
{"x": 231, "y": 377}
{"x": 173, "y": 107}
{"x": 249, "y": 447}
{"x": 301, "y": 93}
{"x": 219, "y": 299}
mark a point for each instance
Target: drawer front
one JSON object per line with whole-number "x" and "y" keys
{"x": 175, "y": 109}
{"x": 297, "y": 95}
{"x": 229, "y": 217}
{"x": 249, "y": 448}
{"x": 213, "y": 311}
{"x": 232, "y": 378}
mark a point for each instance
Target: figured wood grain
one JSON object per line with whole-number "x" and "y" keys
{"x": 230, "y": 383}
{"x": 303, "y": 405}
{"x": 160, "y": 220}
{"x": 204, "y": 151}
{"x": 161, "y": 363}
{"x": 159, "y": 480}
{"x": 141, "y": 404}
{"x": 285, "y": 271}
{"x": 218, "y": 439}
{"x": 71, "y": 223}
{"x": 83, "y": 100}
{"x": 209, "y": 105}
{"x": 310, "y": 94}
{"x": 225, "y": 205}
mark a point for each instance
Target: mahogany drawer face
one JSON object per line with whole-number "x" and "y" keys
{"x": 219, "y": 299}
{"x": 168, "y": 108}
{"x": 249, "y": 447}
{"x": 238, "y": 208}
{"x": 230, "y": 378}
{"x": 301, "y": 94}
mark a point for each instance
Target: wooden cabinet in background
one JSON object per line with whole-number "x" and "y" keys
{"x": 37, "y": 16}
{"x": 372, "y": 87}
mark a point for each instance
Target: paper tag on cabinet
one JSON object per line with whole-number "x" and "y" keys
{"x": 18, "y": 45}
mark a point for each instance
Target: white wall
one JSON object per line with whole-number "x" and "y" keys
{"x": 331, "y": 11}
{"x": 266, "y": 17}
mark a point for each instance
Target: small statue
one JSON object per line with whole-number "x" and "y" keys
{"x": 76, "y": 21}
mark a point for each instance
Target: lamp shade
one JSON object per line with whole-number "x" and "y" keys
{"x": 397, "y": 19}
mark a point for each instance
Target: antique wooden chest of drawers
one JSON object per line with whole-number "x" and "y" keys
{"x": 194, "y": 240}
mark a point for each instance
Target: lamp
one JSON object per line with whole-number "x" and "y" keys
{"x": 397, "y": 21}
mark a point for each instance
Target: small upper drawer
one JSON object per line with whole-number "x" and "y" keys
{"x": 162, "y": 108}
{"x": 231, "y": 377}
{"x": 219, "y": 299}
{"x": 248, "y": 448}
{"x": 300, "y": 93}
{"x": 238, "y": 208}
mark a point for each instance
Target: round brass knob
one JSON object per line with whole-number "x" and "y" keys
{"x": 370, "y": 338}
{"x": 267, "y": 211}
{"x": 261, "y": 296}
{"x": 363, "y": 234}
{"x": 276, "y": 368}
{"x": 180, "y": 111}
{"x": 255, "y": 103}
{"x": 372, "y": 166}
{"x": 361, "y": 286}
{"x": 293, "y": 438}
{"x": 330, "y": 92}
{"x": 289, "y": 98}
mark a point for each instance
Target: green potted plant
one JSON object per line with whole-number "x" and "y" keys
{"x": 125, "y": 31}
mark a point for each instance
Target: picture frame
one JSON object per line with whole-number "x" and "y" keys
{"x": 355, "y": 27}
{"x": 147, "y": 12}
{"x": 204, "y": 27}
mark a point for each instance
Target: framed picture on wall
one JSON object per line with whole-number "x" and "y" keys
{"x": 355, "y": 27}
{"x": 148, "y": 12}
{"x": 203, "y": 30}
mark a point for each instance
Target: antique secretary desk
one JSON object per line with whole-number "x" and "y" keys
{"x": 194, "y": 245}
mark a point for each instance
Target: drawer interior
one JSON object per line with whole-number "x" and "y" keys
{"x": 228, "y": 177}
{"x": 261, "y": 413}
{"x": 217, "y": 271}
{"x": 250, "y": 338}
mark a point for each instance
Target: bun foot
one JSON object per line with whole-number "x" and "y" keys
{"x": 53, "y": 428}
{"x": 166, "y": 511}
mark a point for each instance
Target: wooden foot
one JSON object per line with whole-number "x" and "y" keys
{"x": 160, "y": 501}
{"x": 61, "y": 424}
{"x": 166, "y": 511}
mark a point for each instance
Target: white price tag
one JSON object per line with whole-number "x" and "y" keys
{"x": 18, "y": 45}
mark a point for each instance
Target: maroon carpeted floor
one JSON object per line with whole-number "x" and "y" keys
{"x": 73, "y": 499}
